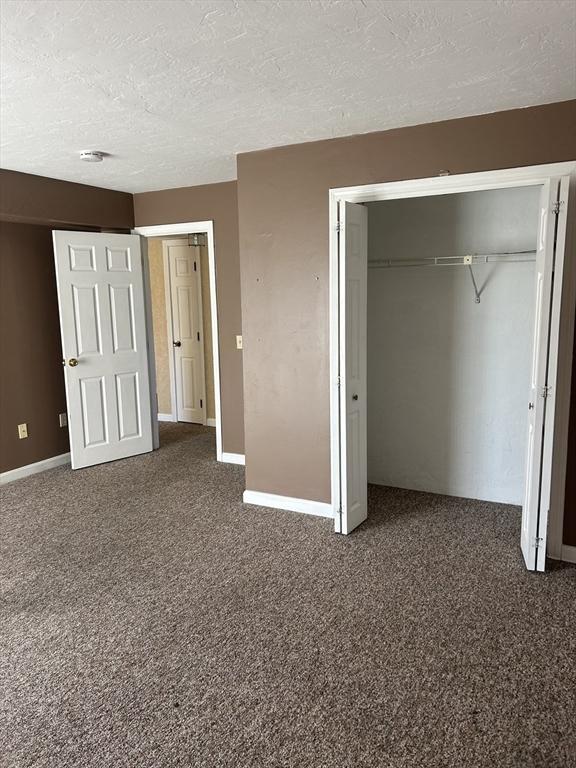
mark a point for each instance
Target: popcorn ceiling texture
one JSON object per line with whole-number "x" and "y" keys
{"x": 174, "y": 89}
{"x": 151, "y": 620}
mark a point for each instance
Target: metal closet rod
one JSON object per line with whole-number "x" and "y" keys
{"x": 454, "y": 261}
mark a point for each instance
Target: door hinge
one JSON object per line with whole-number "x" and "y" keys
{"x": 338, "y": 227}
{"x": 545, "y": 391}
{"x": 198, "y": 335}
{"x": 538, "y": 541}
{"x": 338, "y": 382}
{"x": 201, "y": 401}
{"x": 557, "y": 206}
{"x": 194, "y": 266}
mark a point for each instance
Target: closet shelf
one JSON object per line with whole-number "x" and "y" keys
{"x": 455, "y": 261}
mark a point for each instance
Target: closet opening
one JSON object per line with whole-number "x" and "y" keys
{"x": 445, "y": 314}
{"x": 450, "y": 320}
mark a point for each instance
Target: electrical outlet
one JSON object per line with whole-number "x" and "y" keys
{"x": 63, "y": 419}
{"x": 22, "y": 431}
{"x": 238, "y": 342}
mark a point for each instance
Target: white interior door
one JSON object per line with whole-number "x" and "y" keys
{"x": 353, "y": 277}
{"x": 104, "y": 344}
{"x": 543, "y": 378}
{"x": 187, "y": 330}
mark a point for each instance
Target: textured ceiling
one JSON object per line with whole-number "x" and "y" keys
{"x": 175, "y": 89}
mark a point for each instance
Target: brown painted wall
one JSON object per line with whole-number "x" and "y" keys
{"x": 217, "y": 202}
{"x": 283, "y": 214}
{"x": 31, "y": 379}
{"x": 40, "y": 200}
{"x": 32, "y": 382}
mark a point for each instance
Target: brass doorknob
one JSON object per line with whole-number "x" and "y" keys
{"x": 72, "y": 362}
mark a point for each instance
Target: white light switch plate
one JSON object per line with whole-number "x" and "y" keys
{"x": 22, "y": 431}
{"x": 238, "y": 342}
{"x": 63, "y": 419}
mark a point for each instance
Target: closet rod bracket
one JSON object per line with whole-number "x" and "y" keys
{"x": 468, "y": 262}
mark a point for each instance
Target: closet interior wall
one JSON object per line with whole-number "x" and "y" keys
{"x": 448, "y": 378}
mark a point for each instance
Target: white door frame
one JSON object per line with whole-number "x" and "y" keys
{"x": 191, "y": 228}
{"x": 169, "y": 321}
{"x": 563, "y": 310}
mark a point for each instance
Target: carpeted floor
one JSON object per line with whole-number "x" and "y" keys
{"x": 150, "y": 619}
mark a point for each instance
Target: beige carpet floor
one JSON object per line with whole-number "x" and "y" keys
{"x": 150, "y": 619}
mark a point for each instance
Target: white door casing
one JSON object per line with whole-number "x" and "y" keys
{"x": 187, "y": 330}
{"x": 535, "y": 509}
{"x": 353, "y": 280}
{"x": 104, "y": 345}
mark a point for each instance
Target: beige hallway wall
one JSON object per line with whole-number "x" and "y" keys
{"x": 160, "y": 322}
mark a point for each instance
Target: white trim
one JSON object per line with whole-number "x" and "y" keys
{"x": 232, "y": 458}
{"x": 32, "y": 469}
{"x": 568, "y": 554}
{"x": 272, "y": 500}
{"x": 564, "y": 306}
{"x": 166, "y": 417}
{"x": 465, "y": 182}
{"x": 150, "y": 343}
{"x": 441, "y": 185}
{"x": 166, "y": 230}
{"x": 210, "y": 422}
{"x": 190, "y": 228}
{"x": 215, "y": 337}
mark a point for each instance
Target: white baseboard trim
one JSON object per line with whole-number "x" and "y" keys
{"x": 210, "y": 422}
{"x": 166, "y": 417}
{"x": 568, "y": 553}
{"x": 32, "y": 469}
{"x": 233, "y": 458}
{"x": 307, "y": 507}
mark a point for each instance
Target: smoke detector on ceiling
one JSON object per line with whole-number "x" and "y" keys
{"x": 92, "y": 156}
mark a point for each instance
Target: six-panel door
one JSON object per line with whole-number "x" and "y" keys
{"x": 102, "y": 319}
{"x": 187, "y": 330}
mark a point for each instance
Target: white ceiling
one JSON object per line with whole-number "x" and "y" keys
{"x": 174, "y": 89}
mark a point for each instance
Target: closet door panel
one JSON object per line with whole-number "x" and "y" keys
{"x": 353, "y": 331}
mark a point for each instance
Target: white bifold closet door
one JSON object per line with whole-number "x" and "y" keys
{"x": 540, "y": 406}
{"x": 353, "y": 280}
{"x": 551, "y": 242}
{"x": 104, "y": 344}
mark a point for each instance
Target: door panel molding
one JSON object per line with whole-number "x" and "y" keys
{"x": 101, "y": 298}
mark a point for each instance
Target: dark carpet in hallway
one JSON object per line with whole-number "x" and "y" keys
{"x": 150, "y": 619}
